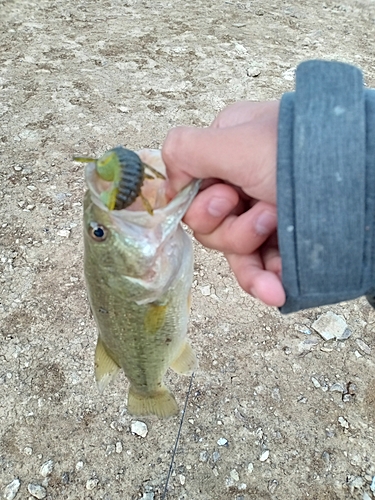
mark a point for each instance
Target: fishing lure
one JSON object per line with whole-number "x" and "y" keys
{"x": 127, "y": 172}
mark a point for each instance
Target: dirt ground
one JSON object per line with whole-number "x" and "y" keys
{"x": 79, "y": 77}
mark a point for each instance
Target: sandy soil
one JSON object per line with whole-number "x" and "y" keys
{"x": 79, "y": 78}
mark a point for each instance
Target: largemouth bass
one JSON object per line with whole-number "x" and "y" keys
{"x": 138, "y": 270}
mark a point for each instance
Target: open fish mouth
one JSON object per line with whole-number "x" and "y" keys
{"x": 153, "y": 189}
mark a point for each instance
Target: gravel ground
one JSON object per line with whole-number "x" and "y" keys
{"x": 275, "y": 411}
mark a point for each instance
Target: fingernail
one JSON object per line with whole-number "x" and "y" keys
{"x": 266, "y": 223}
{"x": 219, "y": 207}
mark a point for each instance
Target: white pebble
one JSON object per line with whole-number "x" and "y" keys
{"x": 64, "y": 232}
{"x": 234, "y": 475}
{"x": 91, "y": 484}
{"x": 118, "y": 447}
{"x": 31, "y": 188}
{"x": 27, "y": 450}
{"x": 222, "y": 442}
{"x": 337, "y": 387}
{"x": 11, "y": 489}
{"x": 149, "y": 495}
{"x": 250, "y": 468}
{"x": 264, "y": 455}
{"x": 139, "y": 428}
{"x": 343, "y": 422}
{"x": 46, "y": 468}
{"x": 315, "y": 382}
{"x": 330, "y": 325}
{"x": 182, "y": 479}
{"x": 205, "y": 290}
{"x": 79, "y": 465}
{"x": 37, "y": 491}
{"x": 364, "y": 347}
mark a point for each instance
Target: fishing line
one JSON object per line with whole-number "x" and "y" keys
{"x": 177, "y": 438}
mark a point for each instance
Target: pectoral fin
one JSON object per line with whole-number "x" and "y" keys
{"x": 106, "y": 368}
{"x": 186, "y": 362}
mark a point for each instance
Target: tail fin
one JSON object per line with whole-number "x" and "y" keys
{"x": 160, "y": 403}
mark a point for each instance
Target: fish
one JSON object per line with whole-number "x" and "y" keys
{"x": 138, "y": 269}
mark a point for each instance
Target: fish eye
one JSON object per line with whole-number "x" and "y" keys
{"x": 98, "y": 232}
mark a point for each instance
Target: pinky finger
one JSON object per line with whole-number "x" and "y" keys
{"x": 262, "y": 284}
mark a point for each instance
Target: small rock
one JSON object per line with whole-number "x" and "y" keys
{"x": 355, "y": 482}
{"x": 17, "y": 168}
{"x": 330, "y": 326}
{"x": 222, "y": 442}
{"x": 343, "y": 422}
{"x": 203, "y": 456}
{"x": 272, "y": 485}
{"x": 182, "y": 479}
{"x": 139, "y": 428}
{"x": 264, "y": 455}
{"x": 118, "y": 447}
{"x": 65, "y": 477}
{"x": 79, "y": 465}
{"x": 27, "y": 450}
{"x": 364, "y": 347}
{"x": 326, "y": 457}
{"x": 351, "y": 388}
{"x": 315, "y": 382}
{"x": 37, "y": 491}
{"x": 372, "y": 487}
{"x": 242, "y": 487}
{"x": 253, "y": 71}
{"x": 91, "y": 484}
{"x": 205, "y": 290}
{"x": 31, "y": 188}
{"x": 64, "y": 232}
{"x": 11, "y": 489}
{"x": 149, "y": 495}
{"x": 234, "y": 475}
{"x": 215, "y": 456}
{"x": 303, "y": 329}
{"x": 229, "y": 483}
{"x": 337, "y": 387}
{"x": 46, "y": 468}
{"x": 250, "y": 468}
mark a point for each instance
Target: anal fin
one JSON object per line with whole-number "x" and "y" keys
{"x": 160, "y": 403}
{"x": 186, "y": 362}
{"x": 106, "y": 368}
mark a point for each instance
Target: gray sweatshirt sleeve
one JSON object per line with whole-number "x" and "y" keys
{"x": 326, "y": 187}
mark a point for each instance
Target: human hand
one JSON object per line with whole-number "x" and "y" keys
{"x": 235, "y": 211}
